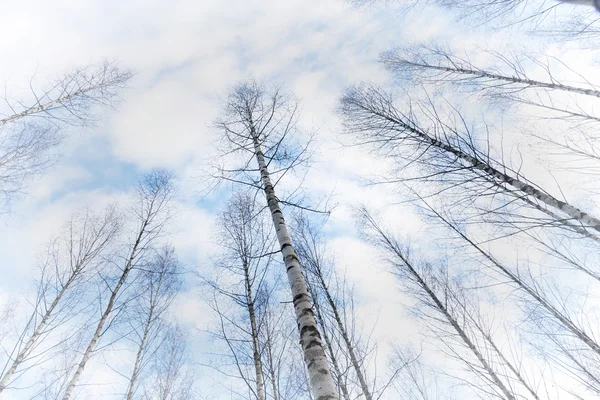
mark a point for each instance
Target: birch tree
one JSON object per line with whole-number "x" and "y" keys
{"x": 150, "y": 215}
{"x": 160, "y": 283}
{"x": 510, "y": 76}
{"x": 449, "y": 152}
{"x": 434, "y": 291}
{"x": 569, "y": 339}
{"x": 71, "y": 261}
{"x": 311, "y": 249}
{"x": 29, "y": 129}
{"x": 243, "y": 274}
{"x": 257, "y": 123}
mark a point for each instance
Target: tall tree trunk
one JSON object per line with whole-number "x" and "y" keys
{"x": 487, "y": 336}
{"x": 440, "y": 306}
{"x": 476, "y": 73}
{"x": 565, "y": 322}
{"x": 91, "y": 346}
{"x": 260, "y": 382}
{"x": 314, "y": 355}
{"x": 370, "y": 103}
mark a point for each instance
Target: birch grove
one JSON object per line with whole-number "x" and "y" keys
{"x": 461, "y": 257}
{"x": 150, "y": 216}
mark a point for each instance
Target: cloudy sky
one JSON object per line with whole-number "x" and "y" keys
{"x": 186, "y": 55}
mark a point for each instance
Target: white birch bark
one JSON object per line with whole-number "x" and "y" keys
{"x": 87, "y": 85}
{"x": 107, "y": 311}
{"x": 365, "y": 105}
{"x": 334, "y": 362}
{"x": 314, "y": 355}
{"x": 342, "y": 329}
{"x": 138, "y": 359}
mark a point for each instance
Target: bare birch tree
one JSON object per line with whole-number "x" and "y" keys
{"x": 311, "y": 249}
{"x": 70, "y": 262}
{"x": 257, "y": 123}
{"x": 450, "y": 153}
{"x": 151, "y": 213}
{"x": 30, "y": 128}
{"x": 160, "y": 283}
{"x": 436, "y": 292}
{"x": 248, "y": 253}
{"x": 510, "y": 77}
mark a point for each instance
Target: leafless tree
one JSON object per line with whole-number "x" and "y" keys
{"x": 311, "y": 249}
{"x": 442, "y": 301}
{"x": 537, "y": 13}
{"x": 160, "y": 283}
{"x": 450, "y": 154}
{"x": 249, "y": 248}
{"x": 171, "y": 377}
{"x": 70, "y": 262}
{"x": 435, "y": 64}
{"x": 151, "y": 213}
{"x": 569, "y": 338}
{"x": 30, "y": 128}
{"x": 258, "y": 124}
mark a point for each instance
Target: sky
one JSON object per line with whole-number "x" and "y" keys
{"x": 186, "y": 56}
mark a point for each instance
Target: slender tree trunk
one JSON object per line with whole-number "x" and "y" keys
{"x": 342, "y": 328}
{"x": 454, "y": 323}
{"x": 438, "y": 305}
{"x": 271, "y": 366}
{"x": 509, "y": 364}
{"x": 314, "y": 355}
{"x": 475, "y": 163}
{"x": 576, "y": 228}
{"x": 260, "y": 382}
{"x": 477, "y": 74}
{"x": 88, "y": 352}
{"x": 32, "y": 340}
{"x": 46, "y": 106}
{"x": 138, "y": 357}
{"x": 334, "y": 362}
{"x": 566, "y": 322}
